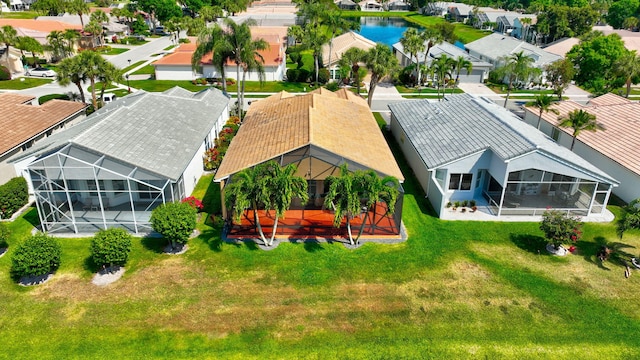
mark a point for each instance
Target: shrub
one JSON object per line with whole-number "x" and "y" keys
{"x": 560, "y": 227}
{"x": 292, "y": 75}
{"x": 303, "y": 75}
{"x": 193, "y": 202}
{"x": 4, "y": 235}
{"x": 5, "y": 74}
{"x": 472, "y": 203}
{"x": 111, "y": 247}
{"x": 294, "y": 57}
{"x": 36, "y": 256}
{"x": 45, "y": 98}
{"x": 323, "y": 75}
{"x": 332, "y": 86}
{"x": 174, "y": 221}
{"x": 13, "y": 195}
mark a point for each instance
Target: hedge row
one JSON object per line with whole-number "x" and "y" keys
{"x": 13, "y": 195}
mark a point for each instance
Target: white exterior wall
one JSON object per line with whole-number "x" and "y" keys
{"x": 271, "y": 73}
{"x": 165, "y": 72}
{"x": 410, "y": 153}
{"x": 469, "y": 165}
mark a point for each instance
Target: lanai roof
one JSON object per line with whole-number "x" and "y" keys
{"x": 340, "y": 123}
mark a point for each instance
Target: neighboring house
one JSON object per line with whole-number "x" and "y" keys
{"x": 38, "y": 29}
{"x": 616, "y": 149}
{"x": 111, "y": 28}
{"x": 24, "y": 124}
{"x": 339, "y": 46}
{"x": 346, "y": 5}
{"x": 494, "y": 47}
{"x": 631, "y": 38}
{"x": 470, "y": 148}
{"x": 510, "y": 23}
{"x": 318, "y": 132}
{"x": 114, "y": 167}
{"x": 523, "y": 31}
{"x": 397, "y": 5}
{"x": 5, "y": 8}
{"x": 437, "y": 8}
{"x": 479, "y": 72}
{"x": 370, "y": 5}
{"x": 487, "y": 18}
{"x": 177, "y": 65}
{"x": 562, "y": 46}
{"x": 460, "y": 12}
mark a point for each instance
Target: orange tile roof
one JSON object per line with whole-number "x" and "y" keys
{"x": 282, "y": 123}
{"x": 620, "y": 141}
{"x": 21, "y": 122}
{"x": 182, "y": 56}
{"x": 40, "y": 25}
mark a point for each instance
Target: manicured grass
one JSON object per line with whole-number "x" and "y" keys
{"x": 381, "y": 122}
{"x": 19, "y": 15}
{"x": 133, "y": 66}
{"x": 114, "y": 51}
{"x": 453, "y": 290}
{"x": 169, "y": 47}
{"x": 145, "y": 70}
{"x": 23, "y": 83}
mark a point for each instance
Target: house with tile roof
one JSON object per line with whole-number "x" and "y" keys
{"x": 177, "y": 65}
{"x": 615, "y": 150}
{"x": 479, "y": 72}
{"x": 114, "y": 167}
{"x": 469, "y": 148}
{"x": 494, "y": 47}
{"x": 318, "y": 132}
{"x": 340, "y": 44}
{"x": 24, "y": 124}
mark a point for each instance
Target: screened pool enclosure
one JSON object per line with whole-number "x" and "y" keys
{"x": 82, "y": 192}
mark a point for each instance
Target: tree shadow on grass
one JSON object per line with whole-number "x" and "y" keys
{"x": 31, "y": 217}
{"x": 531, "y": 243}
{"x": 312, "y": 246}
{"x": 155, "y": 244}
{"x": 90, "y": 265}
{"x": 589, "y": 249}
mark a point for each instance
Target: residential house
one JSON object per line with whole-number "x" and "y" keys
{"x": 511, "y": 23}
{"x": 397, "y": 5}
{"x": 339, "y": 46}
{"x": 318, "y": 131}
{"x": 177, "y": 65}
{"x": 631, "y": 39}
{"x": 114, "y": 167}
{"x": 24, "y": 124}
{"x": 370, "y": 5}
{"x": 111, "y": 28}
{"x": 616, "y": 149}
{"x": 562, "y": 46}
{"x": 460, "y": 12}
{"x": 37, "y": 29}
{"x": 346, "y": 5}
{"x": 480, "y": 69}
{"x": 494, "y": 47}
{"x": 437, "y": 8}
{"x": 469, "y": 148}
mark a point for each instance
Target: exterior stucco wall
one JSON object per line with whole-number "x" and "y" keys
{"x": 164, "y": 72}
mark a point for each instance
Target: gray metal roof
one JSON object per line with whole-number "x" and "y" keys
{"x": 496, "y": 46}
{"x": 443, "y": 132}
{"x": 158, "y": 132}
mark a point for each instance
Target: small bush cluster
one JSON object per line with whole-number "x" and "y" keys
{"x": 559, "y": 227}
{"x": 199, "y": 81}
{"x": 5, "y": 74}
{"x": 193, "y": 202}
{"x": 298, "y": 75}
{"x": 38, "y": 255}
{"x": 111, "y": 247}
{"x": 4, "y": 235}
{"x": 213, "y": 156}
{"x": 43, "y": 99}
{"x": 13, "y": 195}
{"x": 174, "y": 221}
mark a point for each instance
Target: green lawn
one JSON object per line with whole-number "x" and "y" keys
{"x": 19, "y": 15}
{"x": 23, "y": 83}
{"x": 133, "y": 66}
{"x": 453, "y": 290}
{"x": 145, "y": 70}
{"x": 114, "y": 51}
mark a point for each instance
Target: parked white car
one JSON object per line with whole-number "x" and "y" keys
{"x": 42, "y": 72}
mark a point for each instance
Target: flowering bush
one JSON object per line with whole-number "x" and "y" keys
{"x": 560, "y": 227}
{"x": 195, "y": 203}
{"x": 213, "y": 156}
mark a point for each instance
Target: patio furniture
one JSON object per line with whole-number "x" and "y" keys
{"x": 86, "y": 205}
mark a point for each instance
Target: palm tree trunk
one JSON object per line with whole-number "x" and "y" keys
{"x": 259, "y": 226}
{"x": 238, "y": 90}
{"x": 364, "y": 222}
{"x": 93, "y": 93}
{"x": 224, "y": 79}
{"x": 317, "y": 67}
{"x": 573, "y": 142}
{"x": 273, "y": 232}
{"x": 539, "y": 119}
{"x": 628, "y": 87}
{"x": 79, "y": 85}
{"x": 103, "y": 87}
{"x": 372, "y": 88}
{"x": 330, "y": 50}
{"x": 349, "y": 231}
{"x": 244, "y": 74}
{"x": 508, "y": 93}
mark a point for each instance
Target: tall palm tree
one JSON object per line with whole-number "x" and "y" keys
{"x": 336, "y": 24}
{"x": 247, "y": 191}
{"x": 543, "y": 102}
{"x": 95, "y": 29}
{"x": 79, "y": 7}
{"x": 352, "y": 59}
{"x": 284, "y": 185}
{"x": 92, "y": 65}
{"x": 70, "y": 37}
{"x": 212, "y": 40}
{"x": 517, "y": 66}
{"x": 252, "y": 60}
{"x": 380, "y": 62}
{"x": 580, "y": 120}
{"x": 343, "y": 198}
{"x": 442, "y": 68}
{"x": 628, "y": 66}
{"x": 8, "y": 37}
{"x": 526, "y": 24}
{"x": 110, "y": 74}
{"x": 431, "y": 37}
{"x": 70, "y": 71}
{"x": 376, "y": 189}
{"x": 413, "y": 44}
{"x": 462, "y": 63}
{"x": 57, "y": 44}
{"x": 27, "y": 43}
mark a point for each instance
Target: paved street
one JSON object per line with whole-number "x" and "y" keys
{"x": 142, "y": 52}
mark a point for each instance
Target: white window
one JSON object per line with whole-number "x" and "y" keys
{"x": 460, "y": 181}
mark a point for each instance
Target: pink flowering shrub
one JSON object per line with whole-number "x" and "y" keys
{"x": 195, "y": 203}
{"x": 560, "y": 227}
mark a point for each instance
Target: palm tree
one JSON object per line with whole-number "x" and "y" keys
{"x": 462, "y": 63}
{"x": 212, "y": 40}
{"x": 247, "y": 191}
{"x": 413, "y": 44}
{"x": 526, "y": 24}
{"x": 337, "y": 24}
{"x": 343, "y": 198}
{"x": 580, "y": 120}
{"x": 70, "y": 71}
{"x": 442, "y": 68}
{"x": 79, "y": 7}
{"x": 57, "y": 44}
{"x": 517, "y": 66}
{"x": 252, "y": 60}
{"x": 430, "y": 37}
{"x": 630, "y": 218}
{"x": 543, "y": 102}
{"x": 110, "y": 74}
{"x": 27, "y": 43}
{"x": 352, "y": 59}
{"x": 95, "y": 28}
{"x": 284, "y": 185}
{"x": 380, "y": 62}
{"x": 70, "y": 37}
{"x": 377, "y": 189}
{"x": 628, "y": 65}
{"x": 8, "y": 37}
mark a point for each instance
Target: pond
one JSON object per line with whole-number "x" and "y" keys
{"x": 384, "y": 30}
